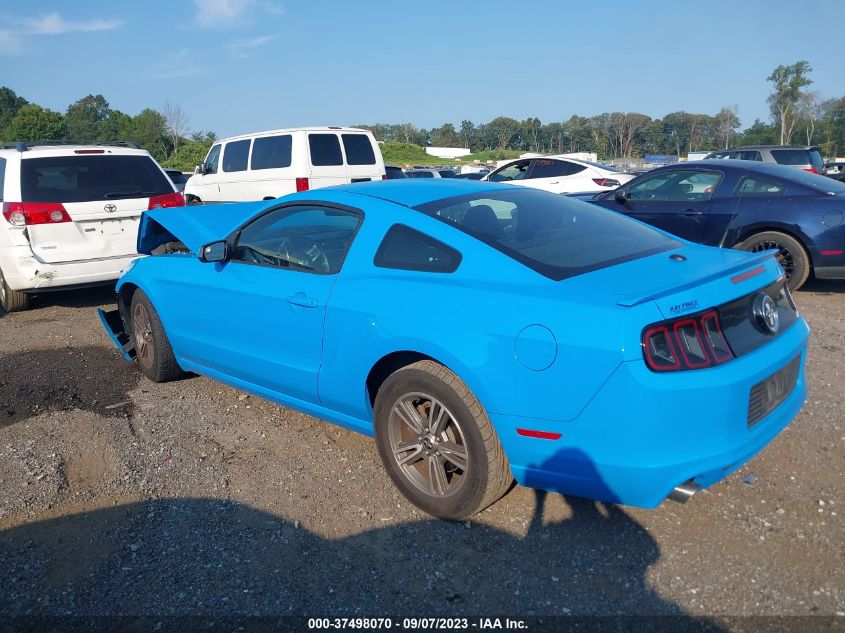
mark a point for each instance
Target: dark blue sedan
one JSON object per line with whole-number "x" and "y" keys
{"x": 746, "y": 205}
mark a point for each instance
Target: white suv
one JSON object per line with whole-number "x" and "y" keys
{"x": 70, "y": 214}
{"x": 266, "y": 165}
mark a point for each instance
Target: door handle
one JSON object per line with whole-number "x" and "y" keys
{"x": 556, "y": 182}
{"x": 300, "y": 299}
{"x": 692, "y": 212}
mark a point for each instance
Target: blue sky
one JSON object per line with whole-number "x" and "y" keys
{"x": 245, "y": 65}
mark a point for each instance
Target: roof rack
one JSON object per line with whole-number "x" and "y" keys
{"x": 23, "y": 146}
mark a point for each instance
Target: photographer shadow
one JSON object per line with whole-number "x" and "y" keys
{"x": 219, "y": 558}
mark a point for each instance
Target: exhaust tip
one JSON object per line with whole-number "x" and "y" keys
{"x": 684, "y": 492}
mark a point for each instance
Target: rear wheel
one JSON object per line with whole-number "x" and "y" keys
{"x": 12, "y": 300}
{"x": 437, "y": 443}
{"x": 791, "y": 254}
{"x": 152, "y": 349}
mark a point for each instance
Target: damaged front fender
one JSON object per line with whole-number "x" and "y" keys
{"x": 115, "y": 327}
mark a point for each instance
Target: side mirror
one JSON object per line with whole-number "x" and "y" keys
{"x": 214, "y": 252}
{"x": 201, "y": 169}
{"x": 621, "y": 195}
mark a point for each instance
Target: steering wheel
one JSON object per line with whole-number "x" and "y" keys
{"x": 253, "y": 256}
{"x": 298, "y": 250}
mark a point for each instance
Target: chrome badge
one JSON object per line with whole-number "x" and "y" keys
{"x": 766, "y": 313}
{"x": 110, "y": 208}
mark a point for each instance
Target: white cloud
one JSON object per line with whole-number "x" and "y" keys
{"x": 178, "y": 66}
{"x": 54, "y": 24}
{"x": 244, "y": 48}
{"x": 226, "y": 13}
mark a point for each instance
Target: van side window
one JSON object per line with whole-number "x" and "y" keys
{"x": 407, "y": 249}
{"x": 213, "y": 159}
{"x": 271, "y": 152}
{"x": 325, "y": 150}
{"x": 359, "y": 150}
{"x": 235, "y": 156}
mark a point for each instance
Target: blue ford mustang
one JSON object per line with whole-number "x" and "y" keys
{"x": 744, "y": 204}
{"x": 480, "y": 332}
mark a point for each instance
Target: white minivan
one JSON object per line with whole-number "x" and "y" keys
{"x": 70, "y": 214}
{"x": 266, "y": 165}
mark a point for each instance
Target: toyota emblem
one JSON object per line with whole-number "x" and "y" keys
{"x": 766, "y": 313}
{"x": 111, "y": 208}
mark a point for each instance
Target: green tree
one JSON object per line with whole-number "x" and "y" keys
{"x": 445, "y": 136}
{"x": 84, "y": 118}
{"x": 149, "y": 131}
{"x": 34, "y": 123}
{"x": 10, "y": 104}
{"x": 726, "y": 122}
{"x": 787, "y": 82}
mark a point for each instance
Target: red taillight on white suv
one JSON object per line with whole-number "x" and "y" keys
{"x": 30, "y": 213}
{"x": 166, "y": 200}
{"x": 691, "y": 342}
{"x": 302, "y": 184}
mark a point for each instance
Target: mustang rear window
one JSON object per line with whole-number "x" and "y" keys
{"x": 559, "y": 237}
{"x": 89, "y": 178}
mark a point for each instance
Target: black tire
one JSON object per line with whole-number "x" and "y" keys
{"x": 486, "y": 475}
{"x": 12, "y": 300}
{"x": 792, "y": 255}
{"x": 191, "y": 200}
{"x": 152, "y": 349}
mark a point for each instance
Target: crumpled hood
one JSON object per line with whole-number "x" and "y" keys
{"x": 195, "y": 225}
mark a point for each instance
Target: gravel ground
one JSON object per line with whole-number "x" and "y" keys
{"x": 119, "y": 496}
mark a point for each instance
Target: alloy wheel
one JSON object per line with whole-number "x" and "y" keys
{"x": 428, "y": 444}
{"x": 784, "y": 256}
{"x": 143, "y": 335}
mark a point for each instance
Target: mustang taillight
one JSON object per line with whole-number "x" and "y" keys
{"x": 29, "y": 213}
{"x": 691, "y": 342}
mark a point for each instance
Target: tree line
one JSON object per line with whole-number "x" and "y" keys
{"x": 798, "y": 115}
{"x": 164, "y": 133}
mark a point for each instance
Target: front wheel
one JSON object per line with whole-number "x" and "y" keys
{"x": 12, "y": 300}
{"x": 437, "y": 443}
{"x": 791, "y": 254}
{"x": 152, "y": 349}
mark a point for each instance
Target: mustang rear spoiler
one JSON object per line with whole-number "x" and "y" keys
{"x": 747, "y": 264}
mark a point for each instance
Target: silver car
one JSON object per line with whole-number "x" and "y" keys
{"x": 803, "y": 157}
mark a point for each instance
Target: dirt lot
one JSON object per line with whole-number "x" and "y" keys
{"x": 119, "y": 496}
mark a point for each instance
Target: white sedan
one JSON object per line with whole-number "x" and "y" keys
{"x": 560, "y": 174}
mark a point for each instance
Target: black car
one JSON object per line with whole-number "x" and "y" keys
{"x": 177, "y": 178}
{"x": 394, "y": 172}
{"x": 740, "y": 204}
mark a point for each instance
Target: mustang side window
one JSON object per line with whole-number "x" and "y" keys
{"x": 407, "y": 249}
{"x": 676, "y": 185}
{"x": 750, "y": 186}
{"x": 307, "y": 238}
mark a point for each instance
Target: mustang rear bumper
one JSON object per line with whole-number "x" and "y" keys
{"x": 644, "y": 433}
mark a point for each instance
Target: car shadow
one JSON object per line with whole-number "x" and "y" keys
{"x": 37, "y": 381}
{"x": 219, "y": 558}
{"x": 91, "y": 297}
{"x": 823, "y": 286}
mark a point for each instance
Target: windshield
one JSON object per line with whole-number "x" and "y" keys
{"x": 558, "y": 237}
{"x": 88, "y": 178}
